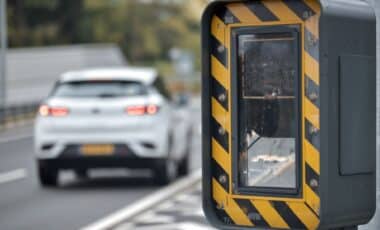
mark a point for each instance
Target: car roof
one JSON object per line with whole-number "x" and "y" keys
{"x": 143, "y": 75}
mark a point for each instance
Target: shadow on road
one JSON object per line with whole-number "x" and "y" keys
{"x": 109, "y": 183}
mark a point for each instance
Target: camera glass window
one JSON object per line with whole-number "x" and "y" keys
{"x": 268, "y": 105}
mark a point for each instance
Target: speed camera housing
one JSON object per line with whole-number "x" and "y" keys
{"x": 289, "y": 114}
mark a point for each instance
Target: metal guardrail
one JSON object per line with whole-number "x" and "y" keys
{"x": 17, "y": 113}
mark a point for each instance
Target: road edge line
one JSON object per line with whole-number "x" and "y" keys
{"x": 15, "y": 138}
{"x": 145, "y": 203}
{"x": 13, "y": 175}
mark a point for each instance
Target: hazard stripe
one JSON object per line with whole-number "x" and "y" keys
{"x": 218, "y": 29}
{"x": 282, "y": 11}
{"x": 221, "y": 116}
{"x": 220, "y": 123}
{"x": 243, "y": 13}
{"x": 221, "y": 138}
{"x": 312, "y": 25}
{"x": 218, "y": 172}
{"x": 219, "y": 72}
{"x": 291, "y": 219}
{"x": 219, "y": 51}
{"x": 220, "y": 94}
{"x": 312, "y": 135}
{"x": 250, "y": 210}
{"x": 312, "y": 68}
{"x": 313, "y": 5}
{"x": 232, "y": 209}
{"x": 261, "y": 11}
{"x": 311, "y": 113}
{"x": 271, "y": 216}
{"x": 220, "y": 164}
{"x": 312, "y": 91}
{"x": 312, "y": 200}
{"x": 312, "y": 189}
{"x": 309, "y": 212}
{"x": 311, "y": 176}
{"x": 312, "y": 156}
{"x": 302, "y": 10}
{"x": 220, "y": 156}
{"x": 311, "y": 45}
{"x": 222, "y": 215}
{"x": 226, "y": 16}
{"x": 305, "y": 215}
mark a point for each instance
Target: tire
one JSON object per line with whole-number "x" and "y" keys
{"x": 48, "y": 176}
{"x": 184, "y": 167}
{"x": 165, "y": 172}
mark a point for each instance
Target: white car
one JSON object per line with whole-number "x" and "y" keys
{"x": 111, "y": 118}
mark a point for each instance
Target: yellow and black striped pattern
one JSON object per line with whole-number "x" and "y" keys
{"x": 265, "y": 212}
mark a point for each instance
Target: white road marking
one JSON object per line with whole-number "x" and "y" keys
{"x": 14, "y": 175}
{"x": 193, "y": 226}
{"x": 15, "y": 138}
{"x": 152, "y": 218}
{"x": 145, "y": 203}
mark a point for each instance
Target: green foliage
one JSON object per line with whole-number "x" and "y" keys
{"x": 145, "y": 30}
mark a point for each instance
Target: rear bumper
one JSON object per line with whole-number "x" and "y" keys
{"x": 146, "y": 138}
{"x": 80, "y": 163}
{"x": 153, "y": 144}
{"x": 123, "y": 157}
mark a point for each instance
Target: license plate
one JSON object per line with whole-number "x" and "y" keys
{"x": 97, "y": 150}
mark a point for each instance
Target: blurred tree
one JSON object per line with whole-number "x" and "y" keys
{"x": 145, "y": 29}
{"x": 44, "y": 22}
{"x": 70, "y": 13}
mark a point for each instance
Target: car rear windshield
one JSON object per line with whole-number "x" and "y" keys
{"x": 101, "y": 89}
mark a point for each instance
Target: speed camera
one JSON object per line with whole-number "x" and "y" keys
{"x": 289, "y": 114}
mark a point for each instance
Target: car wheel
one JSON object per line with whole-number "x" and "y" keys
{"x": 165, "y": 172}
{"x": 48, "y": 176}
{"x": 184, "y": 167}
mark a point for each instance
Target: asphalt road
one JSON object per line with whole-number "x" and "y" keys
{"x": 26, "y": 205}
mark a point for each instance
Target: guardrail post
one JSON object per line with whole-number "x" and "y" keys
{"x": 2, "y": 116}
{"x": 3, "y": 50}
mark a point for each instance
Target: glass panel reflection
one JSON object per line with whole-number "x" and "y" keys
{"x": 267, "y": 110}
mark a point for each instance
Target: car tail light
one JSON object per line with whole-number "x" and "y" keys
{"x": 151, "y": 109}
{"x": 45, "y": 111}
{"x": 140, "y": 110}
{"x": 136, "y": 110}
